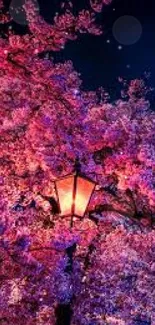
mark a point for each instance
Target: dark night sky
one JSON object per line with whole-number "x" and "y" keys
{"x": 100, "y": 59}
{"x": 99, "y": 62}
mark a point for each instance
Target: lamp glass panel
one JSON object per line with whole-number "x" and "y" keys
{"x": 84, "y": 189}
{"x": 65, "y": 194}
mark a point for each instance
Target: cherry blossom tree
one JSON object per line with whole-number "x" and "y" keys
{"x": 117, "y": 287}
{"x": 46, "y": 121}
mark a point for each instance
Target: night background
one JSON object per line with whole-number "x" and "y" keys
{"x": 125, "y": 49}
{"x": 101, "y": 62}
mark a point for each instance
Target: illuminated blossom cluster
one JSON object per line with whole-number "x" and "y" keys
{"x": 118, "y": 287}
{"x": 97, "y": 5}
{"x": 46, "y": 121}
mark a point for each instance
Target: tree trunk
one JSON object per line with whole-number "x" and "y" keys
{"x": 64, "y": 312}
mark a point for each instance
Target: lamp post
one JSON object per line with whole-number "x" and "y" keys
{"x": 73, "y": 195}
{"x": 74, "y": 192}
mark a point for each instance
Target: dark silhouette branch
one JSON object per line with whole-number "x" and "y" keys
{"x": 110, "y": 208}
{"x": 17, "y": 64}
{"x": 117, "y": 199}
{"x": 91, "y": 249}
{"x": 4, "y": 319}
{"x": 135, "y": 215}
{"x": 53, "y": 203}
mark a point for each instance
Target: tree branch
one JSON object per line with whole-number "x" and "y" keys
{"x": 18, "y": 65}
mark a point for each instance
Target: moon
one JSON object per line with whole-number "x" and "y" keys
{"x": 127, "y": 30}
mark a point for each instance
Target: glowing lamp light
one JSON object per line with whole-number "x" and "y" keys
{"x": 74, "y": 193}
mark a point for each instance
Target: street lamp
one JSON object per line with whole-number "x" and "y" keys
{"x": 74, "y": 193}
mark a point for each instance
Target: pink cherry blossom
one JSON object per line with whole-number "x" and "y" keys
{"x": 46, "y": 122}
